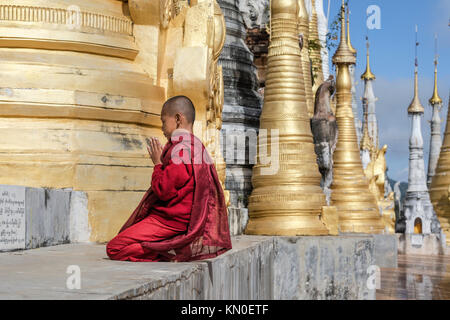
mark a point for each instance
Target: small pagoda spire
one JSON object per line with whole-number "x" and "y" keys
{"x": 435, "y": 99}
{"x": 416, "y": 105}
{"x": 436, "y": 139}
{"x": 368, "y": 75}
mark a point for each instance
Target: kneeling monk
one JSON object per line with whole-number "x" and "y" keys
{"x": 183, "y": 216}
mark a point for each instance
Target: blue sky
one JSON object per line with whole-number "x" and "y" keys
{"x": 392, "y": 62}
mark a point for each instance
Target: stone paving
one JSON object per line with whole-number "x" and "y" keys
{"x": 258, "y": 267}
{"x": 417, "y": 277}
{"x": 42, "y": 273}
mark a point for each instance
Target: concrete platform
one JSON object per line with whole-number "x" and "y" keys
{"x": 258, "y": 267}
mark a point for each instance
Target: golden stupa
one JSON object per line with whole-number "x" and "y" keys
{"x": 440, "y": 184}
{"x": 287, "y": 198}
{"x": 306, "y": 62}
{"x": 83, "y": 84}
{"x": 356, "y": 205}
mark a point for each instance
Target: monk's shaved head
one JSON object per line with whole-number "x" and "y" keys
{"x": 180, "y": 104}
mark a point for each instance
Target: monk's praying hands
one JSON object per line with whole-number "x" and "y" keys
{"x": 154, "y": 149}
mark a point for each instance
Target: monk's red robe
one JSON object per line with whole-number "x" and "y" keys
{"x": 183, "y": 216}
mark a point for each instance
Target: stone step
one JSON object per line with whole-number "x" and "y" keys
{"x": 258, "y": 267}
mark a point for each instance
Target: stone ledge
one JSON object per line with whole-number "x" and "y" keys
{"x": 258, "y": 267}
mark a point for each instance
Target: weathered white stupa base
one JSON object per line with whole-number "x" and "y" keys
{"x": 422, "y": 244}
{"x": 430, "y": 240}
{"x": 418, "y": 206}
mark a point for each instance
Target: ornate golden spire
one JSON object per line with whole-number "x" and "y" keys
{"x": 313, "y": 8}
{"x": 435, "y": 99}
{"x": 286, "y": 197}
{"x": 303, "y": 22}
{"x": 368, "y": 75}
{"x": 315, "y": 49}
{"x": 343, "y": 54}
{"x": 348, "y": 33}
{"x": 366, "y": 140}
{"x": 416, "y": 105}
{"x": 356, "y": 205}
{"x": 303, "y": 17}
